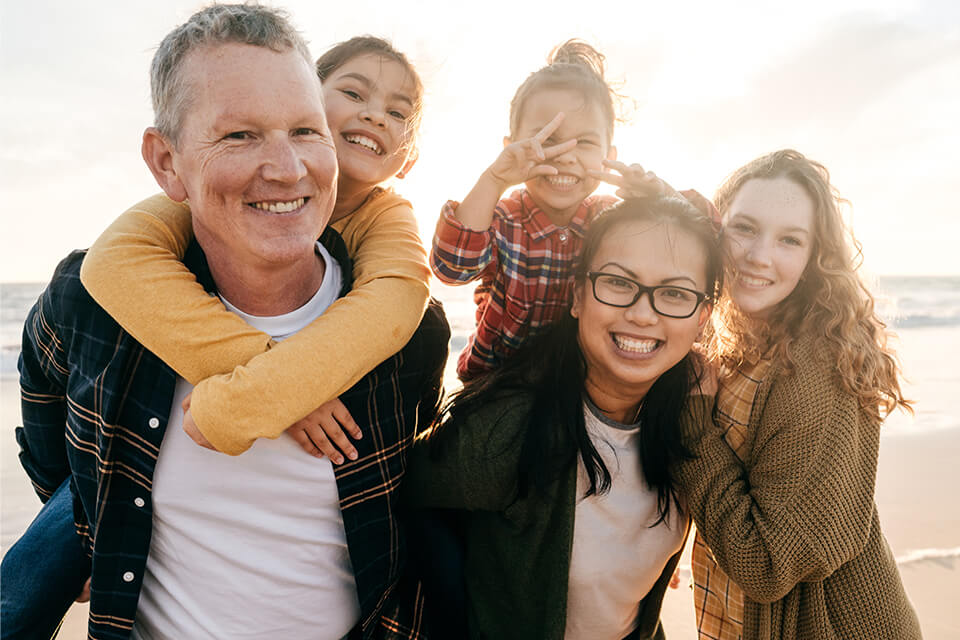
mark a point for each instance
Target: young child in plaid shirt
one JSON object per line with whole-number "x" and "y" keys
{"x": 523, "y": 247}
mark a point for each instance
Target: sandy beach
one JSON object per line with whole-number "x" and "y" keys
{"x": 916, "y": 496}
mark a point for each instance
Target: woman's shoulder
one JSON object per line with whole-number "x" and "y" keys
{"x": 504, "y": 412}
{"x": 806, "y": 373}
{"x": 385, "y": 198}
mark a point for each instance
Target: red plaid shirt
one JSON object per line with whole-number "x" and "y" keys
{"x": 525, "y": 264}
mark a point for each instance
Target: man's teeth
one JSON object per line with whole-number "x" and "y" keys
{"x": 754, "y": 282}
{"x": 364, "y": 141}
{"x": 562, "y": 181}
{"x": 279, "y": 207}
{"x": 636, "y": 346}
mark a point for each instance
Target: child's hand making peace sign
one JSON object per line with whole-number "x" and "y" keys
{"x": 634, "y": 181}
{"x": 522, "y": 160}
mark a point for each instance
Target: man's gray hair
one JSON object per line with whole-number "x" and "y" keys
{"x": 214, "y": 25}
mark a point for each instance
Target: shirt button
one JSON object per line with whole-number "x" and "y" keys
{"x": 154, "y": 423}
{"x": 563, "y": 236}
{"x": 139, "y": 502}
{"x": 128, "y": 576}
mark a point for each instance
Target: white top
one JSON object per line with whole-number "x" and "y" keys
{"x": 250, "y": 546}
{"x": 616, "y": 556}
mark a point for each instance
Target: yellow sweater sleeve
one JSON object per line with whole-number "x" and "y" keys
{"x": 134, "y": 271}
{"x": 262, "y": 395}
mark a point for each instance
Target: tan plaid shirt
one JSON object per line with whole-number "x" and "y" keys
{"x": 717, "y": 600}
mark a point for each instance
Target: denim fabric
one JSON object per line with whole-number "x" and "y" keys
{"x": 43, "y": 572}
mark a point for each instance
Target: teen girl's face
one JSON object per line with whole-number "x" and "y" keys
{"x": 768, "y": 233}
{"x": 369, "y": 101}
{"x": 628, "y": 348}
{"x": 560, "y": 195}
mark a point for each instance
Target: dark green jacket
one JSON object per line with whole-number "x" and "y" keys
{"x": 517, "y": 550}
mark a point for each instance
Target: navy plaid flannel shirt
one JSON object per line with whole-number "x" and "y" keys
{"x": 95, "y": 406}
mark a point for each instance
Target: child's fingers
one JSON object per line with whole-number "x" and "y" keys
{"x": 535, "y": 149}
{"x": 333, "y": 430}
{"x": 301, "y": 438}
{"x": 346, "y": 421}
{"x": 550, "y": 127}
{"x": 318, "y": 437}
{"x": 606, "y": 176}
{"x": 624, "y": 168}
{"x": 542, "y": 170}
{"x": 557, "y": 149}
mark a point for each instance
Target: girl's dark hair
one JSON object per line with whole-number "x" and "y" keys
{"x": 550, "y": 369}
{"x": 572, "y": 65}
{"x": 342, "y": 52}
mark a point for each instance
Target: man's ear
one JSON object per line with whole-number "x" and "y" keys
{"x": 157, "y": 152}
{"x": 409, "y": 162}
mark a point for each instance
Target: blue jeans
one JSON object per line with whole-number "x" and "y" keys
{"x": 43, "y": 572}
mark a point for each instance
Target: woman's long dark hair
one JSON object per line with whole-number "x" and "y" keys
{"x": 551, "y": 370}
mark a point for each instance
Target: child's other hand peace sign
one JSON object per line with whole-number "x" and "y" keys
{"x": 524, "y": 159}
{"x": 634, "y": 181}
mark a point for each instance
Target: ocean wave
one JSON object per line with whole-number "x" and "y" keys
{"x": 944, "y": 557}
{"x": 938, "y": 556}
{"x": 921, "y": 321}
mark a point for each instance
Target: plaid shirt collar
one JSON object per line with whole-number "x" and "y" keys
{"x": 538, "y": 224}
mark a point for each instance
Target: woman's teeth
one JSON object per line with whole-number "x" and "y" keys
{"x": 636, "y": 346}
{"x": 279, "y": 207}
{"x": 365, "y": 142}
{"x": 754, "y": 282}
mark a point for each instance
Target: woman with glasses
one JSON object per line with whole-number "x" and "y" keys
{"x": 782, "y": 492}
{"x": 560, "y": 462}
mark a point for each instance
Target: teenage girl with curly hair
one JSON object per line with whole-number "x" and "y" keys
{"x": 782, "y": 486}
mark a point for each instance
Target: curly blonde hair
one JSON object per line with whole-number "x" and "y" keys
{"x": 830, "y": 304}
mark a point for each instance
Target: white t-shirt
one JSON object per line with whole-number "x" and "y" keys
{"x": 249, "y": 546}
{"x": 616, "y": 557}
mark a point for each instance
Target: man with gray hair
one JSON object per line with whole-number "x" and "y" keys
{"x": 186, "y": 542}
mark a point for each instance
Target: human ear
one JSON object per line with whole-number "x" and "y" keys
{"x": 577, "y": 301}
{"x": 408, "y": 163}
{"x": 705, "y": 310}
{"x": 157, "y": 152}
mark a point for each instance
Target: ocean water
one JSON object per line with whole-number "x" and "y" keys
{"x": 923, "y": 311}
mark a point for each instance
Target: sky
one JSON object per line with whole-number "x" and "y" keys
{"x": 870, "y": 88}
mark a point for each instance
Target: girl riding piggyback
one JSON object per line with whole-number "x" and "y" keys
{"x": 524, "y": 247}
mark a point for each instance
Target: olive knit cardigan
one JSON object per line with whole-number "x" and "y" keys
{"x": 795, "y": 524}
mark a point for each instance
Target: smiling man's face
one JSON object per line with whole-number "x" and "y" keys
{"x": 255, "y": 156}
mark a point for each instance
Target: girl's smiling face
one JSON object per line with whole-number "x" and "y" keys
{"x": 560, "y": 195}
{"x": 628, "y": 348}
{"x": 370, "y": 102}
{"x": 768, "y": 233}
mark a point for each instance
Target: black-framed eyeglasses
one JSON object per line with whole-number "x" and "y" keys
{"x": 667, "y": 300}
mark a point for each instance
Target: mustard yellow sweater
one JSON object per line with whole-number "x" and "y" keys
{"x": 248, "y": 386}
{"x": 795, "y": 525}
